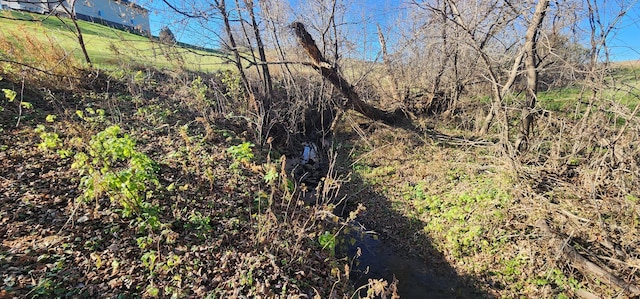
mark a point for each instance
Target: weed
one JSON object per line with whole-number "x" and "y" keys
{"x": 40, "y": 50}
{"x": 328, "y": 241}
{"x": 149, "y": 261}
{"x": 241, "y": 153}
{"x": 199, "y": 224}
{"x": 171, "y": 263}
{"x": 9, "y": 94}
{"x": 49, "y": 140}
{"x": 94, "y": 117}
{"x": 128, "y": 185}
{"x": 199, "y": 89}
{"x": 271, "y": 176}
{"x": 233, "y": 85}
{"x": 144, "y": 242}
{"x": 246, "y": 278}
{"x": 154, "y": 114}
{"x": 152, "y": 291}
{"x": 47, "y": 288}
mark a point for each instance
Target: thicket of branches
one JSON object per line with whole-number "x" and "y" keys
{"x": 483, "y": 63}
{"x": 438, "y": 56}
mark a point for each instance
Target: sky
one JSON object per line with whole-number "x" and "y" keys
{"x": 624, "y": 44}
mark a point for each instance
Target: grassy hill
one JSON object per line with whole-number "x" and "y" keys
{"x": 107, "y": 47}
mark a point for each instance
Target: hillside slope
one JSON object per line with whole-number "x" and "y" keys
{"x": 107, "y": 47}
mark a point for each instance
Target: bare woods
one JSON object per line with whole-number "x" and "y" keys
{"x": 532, "y": 79}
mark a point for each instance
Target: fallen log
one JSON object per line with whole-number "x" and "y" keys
{"x": 329, "y": 72}
{"x": 583, "y": 264}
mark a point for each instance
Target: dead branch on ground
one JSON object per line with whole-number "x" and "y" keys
{"x": 583, "y": 264}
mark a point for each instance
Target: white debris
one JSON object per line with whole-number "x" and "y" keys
{"x": 309, "y": 153}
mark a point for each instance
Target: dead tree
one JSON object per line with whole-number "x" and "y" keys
{"x": 330, "y": 73}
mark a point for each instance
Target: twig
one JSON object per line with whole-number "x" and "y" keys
{"x": 567, "y": 213}
{"x": 20, "y": 104}
{"x": 619, "y": 261}
{"x": 254, "y": 63}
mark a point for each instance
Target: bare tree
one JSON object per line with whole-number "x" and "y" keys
{"x": 395, "y": 87}
{"x": 268, "y": 84}
{"x": 531, "y": 67}
{"x": 71, "y": 11}
{"x": 222, "y": 8}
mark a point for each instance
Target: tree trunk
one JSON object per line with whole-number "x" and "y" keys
{"x": 328, "y": 72}
{"x": 268, "y": 84}
{"x": 395, "y": 89}
{"x": 72, "y": 14}
{"x": 234, "y": 48}
{"x": 530, "y": 63}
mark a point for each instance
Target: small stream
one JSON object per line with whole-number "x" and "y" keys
{"x": 379, "y": 259}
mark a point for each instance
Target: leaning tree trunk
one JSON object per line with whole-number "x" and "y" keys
{"x": 329, "y": 72}
{"x": 72, "y": 14}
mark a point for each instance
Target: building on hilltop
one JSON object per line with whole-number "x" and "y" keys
{"x": 120, "y": 14}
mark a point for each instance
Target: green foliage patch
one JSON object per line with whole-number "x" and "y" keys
{"x": 112, "y": 166}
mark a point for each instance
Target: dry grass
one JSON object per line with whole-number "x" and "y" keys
{"x": 39, "y": 60}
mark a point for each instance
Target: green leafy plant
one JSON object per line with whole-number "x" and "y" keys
{"x": 9, "y": 94}
{"x": 51, "y": 141}
{"x": 93, "y": 116}
{"x": 328, "y": 241}
{"x": 271, "y": 176}
{"x": 144, "y": 242}
{"x": 113, "y": 167}
{"x": 199, "y": 89}
{"x": 233, "y": 85}
{"x": 152, "y": 291}
{"x": 47, "y": 288}
{"x": 149, "y": 261}
{"x": 199, "y": 224}
{"x": 241, "y": 153}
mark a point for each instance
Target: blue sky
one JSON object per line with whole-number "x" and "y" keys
{"x": 623, "y": 45}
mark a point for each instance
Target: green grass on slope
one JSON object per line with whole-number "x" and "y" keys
{"x": 107, "y": 47}
{"x": 621, "y": 86}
